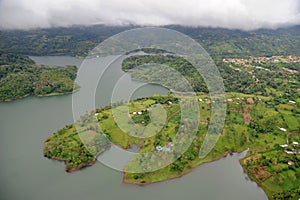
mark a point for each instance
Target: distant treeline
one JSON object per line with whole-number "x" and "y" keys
{"x": 219, "y": 42}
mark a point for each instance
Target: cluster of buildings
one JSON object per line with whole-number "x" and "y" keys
{"x": 140, "y": 112}
{"x": 166, "y": 148}
{"x": 249, "y": 100}
{"x": 294, "y": 145}
{"x": 293, "y": 151}
{"x": 205, "y": 100}
{"x": 273, "y": 59}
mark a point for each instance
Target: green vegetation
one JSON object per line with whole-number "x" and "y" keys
{"x": 263, "y": 113}
{"x": 263, "y": 101}
{"x": 74, "y": 41}
{"x": 178, "y": 63}
{"x": 250, "y": 123}
{"x": 20, "y": 76}
{"x": 218, "y": 42}
{"x": 278, "y": 79}
{"x": 67, "y": 145}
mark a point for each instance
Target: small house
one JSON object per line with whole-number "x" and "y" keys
{"x": 282, "y": 129}
{"x": 295, "y": 143}
{"x": 284, "y": 145}
{"x": 290, "y": 163}
{"x": 289, "y": 152}
{"x": 159, "y": 148}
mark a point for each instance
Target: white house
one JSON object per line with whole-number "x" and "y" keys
{"x": 289, "y": 152}
{"x": 295, "y": 143}
{"x": 290, "y": 163}
{"x": 282, "y": 129}
{"x": 284, "y": 145}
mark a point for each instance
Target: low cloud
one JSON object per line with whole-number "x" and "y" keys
{"x": 237, "y": 14}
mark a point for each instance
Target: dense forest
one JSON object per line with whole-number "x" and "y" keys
{"x": 20, "y": 76}
{"x": 278, "y": 79}
{"x": 219, "y": 42}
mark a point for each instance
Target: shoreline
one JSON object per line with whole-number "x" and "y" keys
{"x": 253, "y": 180}
{"x": 184, "y": 173}
{"x": 35, "y": 95}
{"x": 198, "y": 166}
{"x": 56, "y": 94}
{"x": 12, "y": 99}
{"x": 168, "y": 174}
{"x": 81, "y": 166}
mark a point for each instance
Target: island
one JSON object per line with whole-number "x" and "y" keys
{"x": 263, "y": 116}
{"x": 20, "y": 76}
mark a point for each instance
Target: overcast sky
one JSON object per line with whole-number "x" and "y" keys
{"x": 240, "y": 14}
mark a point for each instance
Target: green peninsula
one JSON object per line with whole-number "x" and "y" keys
{"x": 20, "y": 76}
{"x": 263, "y": 116}
{"x": 251, "y": 122}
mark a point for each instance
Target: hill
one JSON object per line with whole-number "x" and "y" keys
{"x": 219, "y": 42}
{"x": 20, "y": 77}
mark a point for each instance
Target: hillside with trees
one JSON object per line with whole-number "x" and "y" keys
{"x": 219, "y": 42}
{"x": 20, "y": 77}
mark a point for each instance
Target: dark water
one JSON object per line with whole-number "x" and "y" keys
{"x": 25, "y": 174}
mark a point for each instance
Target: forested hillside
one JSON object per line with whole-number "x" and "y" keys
{"x": 78, "y": 40}
{"x": 20, "y": 76}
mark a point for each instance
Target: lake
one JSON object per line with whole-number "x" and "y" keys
{"x": 26, "y": 174}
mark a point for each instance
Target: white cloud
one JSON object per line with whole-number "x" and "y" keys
{"x": 241, "y": 14}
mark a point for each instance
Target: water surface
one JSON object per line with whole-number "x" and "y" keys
{"x": 26, "y": 174}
